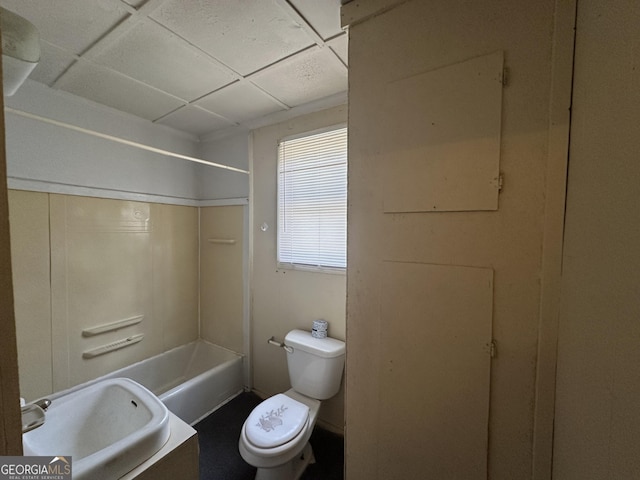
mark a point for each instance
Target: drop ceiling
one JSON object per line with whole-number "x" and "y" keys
{"x": 200, "y": 66}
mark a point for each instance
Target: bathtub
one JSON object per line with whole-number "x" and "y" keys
{"x": 192, "y": 380}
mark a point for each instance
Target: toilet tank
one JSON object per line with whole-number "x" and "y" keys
{"x": 315, "y": 365}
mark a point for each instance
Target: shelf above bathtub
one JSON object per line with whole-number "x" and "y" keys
{"x": 110, "y": 327}
{"x": 222, "y": 241}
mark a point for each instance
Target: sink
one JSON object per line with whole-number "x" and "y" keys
{"x": 108, "y": 428}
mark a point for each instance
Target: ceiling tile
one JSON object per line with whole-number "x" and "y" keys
{"x": 135, "y": 3}
{"x": 245, "y": 35}
{"x": 53, "y": 62}
{"x": 155, "y": 56}
{"x": 240, "y": 102}
{"x": 194, "y": 120}
{"x": 323, "y": 16}
{"x": 70, "y": 24}
{"x": 150, "y": 66}
{"x": 311, "y": 75}
{"x": 340, "y": 45}
{"x": 104, "y": 86}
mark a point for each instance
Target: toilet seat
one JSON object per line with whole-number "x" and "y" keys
{"x": 276, "y": 421}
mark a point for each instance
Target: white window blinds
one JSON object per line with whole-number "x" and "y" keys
{"x": 312, "y": 200}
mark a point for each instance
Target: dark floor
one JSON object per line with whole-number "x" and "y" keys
{"x": 219, "y": 457}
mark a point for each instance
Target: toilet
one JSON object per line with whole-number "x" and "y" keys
{"x": 275, "y": 436}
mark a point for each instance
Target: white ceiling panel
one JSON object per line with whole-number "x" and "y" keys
{"x": 70, "y": 24}
{"x": 197, "y": 65}
{"x": 340, "y": 45}
{"x": 135, "y": 3}
{"x": 117, "y": 91}
{"x": 153, "y": 55}
{"x": 194, "y": 120}
{"x": 53, "y": 62}
{"x": 240, "y": 102}
{"x": 245, "y": 35}
{"x": 321, "y": 15}
{"x": 309, "y": 76}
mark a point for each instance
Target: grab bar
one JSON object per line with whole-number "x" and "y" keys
{"x": 125, "y": 342}
{"x": 109, "y": 327}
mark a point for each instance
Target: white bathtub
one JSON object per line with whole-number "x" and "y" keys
{"x": 191, "y": 380}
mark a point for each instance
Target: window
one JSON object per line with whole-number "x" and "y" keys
{"x": 312, "y": 200}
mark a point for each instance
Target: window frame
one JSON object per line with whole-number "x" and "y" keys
{"x": 299, "y": 266}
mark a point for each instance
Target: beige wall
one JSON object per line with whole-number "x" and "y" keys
{"x": 222, "y": 276}
{"x": 412, "y": 38}
{"x": 108, "y": 260}
{"x": 10, "y": 434}
{"x": 29, "y": 218}
{"x": 597, "y": 427}
{"x": 286, "y": 299}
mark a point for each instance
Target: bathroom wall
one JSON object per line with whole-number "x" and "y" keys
{"x": 597, "y": 424}
{"x": 223, "y": 276}
{"x": 31, "y": 265}
{"x": 214, "y": 183}
{"x": 49, "y": 158}
{"x": 285, "y": 299}
{"x": 412, "y": 275}
{"x": 82, "y": 262}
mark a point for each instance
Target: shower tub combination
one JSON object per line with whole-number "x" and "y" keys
{"x": 191, "y": 380}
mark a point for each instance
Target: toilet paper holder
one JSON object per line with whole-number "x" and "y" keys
{"x": 273, "y": 341}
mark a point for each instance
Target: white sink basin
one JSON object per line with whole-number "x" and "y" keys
{"x": 108, "y": 428}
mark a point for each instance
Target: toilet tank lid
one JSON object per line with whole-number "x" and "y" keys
{"x": 322, "y": 347}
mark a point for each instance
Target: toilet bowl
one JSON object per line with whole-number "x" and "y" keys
{"x": 275, "y": 436}
{"x": 280, "y": 451}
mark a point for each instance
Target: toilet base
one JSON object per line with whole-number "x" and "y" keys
{"x": 292, "y": 470}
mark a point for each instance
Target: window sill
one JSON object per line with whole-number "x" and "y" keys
{"x": 312, "y": 268}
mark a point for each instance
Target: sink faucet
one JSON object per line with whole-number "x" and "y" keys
{"x": 33, "y": 414}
